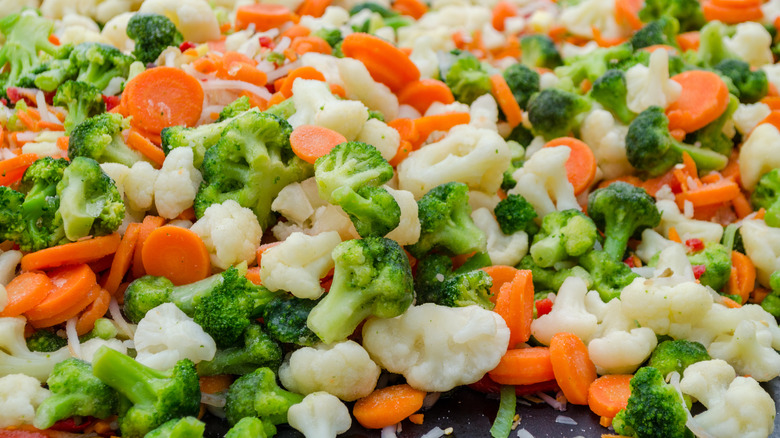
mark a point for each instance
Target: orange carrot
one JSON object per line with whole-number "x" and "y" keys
{"x": 506, "y": 100}
{"x": 627, "y": 11}
{"x": 72, "y": 284}
{"x": 607, "y": 395}
{"x": 315, "y": 8}
{"x": 245, "y": 72}
{"x": 387, "y": 406}
{"x": 773, "y": 119}
{"x": 416, "y": 418}
{"x": 25, "y": 292}
{"x": 407, "y": 129}
{"x": 306, "y": 72}
{"x": 276, "y": 98}
{"x": 688, "y": 40}
{"x": 216, "y": 383}
{"x": 673, "y": 235}
{"x": 773, "y": 102}
{"x": 703, "y": 99}
{"x": 581, "y": 165}
{"x": 719, "y": 192}
{"x": 501, "y": 11}
{"x": 501, "y": 274}
{"x": 631, "y": 179}
{"x": 161, "y": 97}
{"x": 295, "y": 31}
{"x": 73, "y": 253}
{"x": 523, "y": 367}
{"x": 12, "y": 169}
{"x": 741, "y": 206}
{"x": 262, "y": 249}
{"x": 573, "y": 369}
{"x": 71, "y": 310}
{"x": 728, "y": 302}
{"x": 440, "y": 122}
{"x": 404, "y": 149}
{"x": 142, "y": 144}
{"x": 122, "y": 258}
{"x": 310, "y": 142}
{"x": 743, "y": 275}
{"x": 306, "y": 44}
{"x": 265, "y": 16}
{"x": 176, "y": 253}
{"x": 149, "y": 224}
{"x": 515, "y": 303}
{"x": 412, "y": 8}
{"x": 730, "y": 15}
{"x": 97, "y": 309}
{"x": 385, "y": 62}
{"x": 421, "y": 94}
{"x": 51, "y": 126}
{"x": 253, "y": 275}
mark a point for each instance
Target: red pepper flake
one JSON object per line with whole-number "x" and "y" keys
{"x": 543, "y": 306}
{"x": 186, "y": 46}
{"x": 698, "y": 270}
{"x": 70, "y": 424}
{"x": 630, "y": 262}
{"x": 694, "y": 245}
{"x": 111, "y": 102}
{"x": 266, "y": 42}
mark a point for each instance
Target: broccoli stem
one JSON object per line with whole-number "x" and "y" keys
{"x": 184, "y": 296}
{"x": 337, "y": 315}
{"x": 128, "y": 377}
{"x": 705, "y": 159}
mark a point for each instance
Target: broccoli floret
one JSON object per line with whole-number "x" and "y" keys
{"x": 285, "y": 320}
{"x": 676, "y": 63}
{"x": 549, "y": 278}
{"x": 75, "y": 391}
{"x": 332, "y": 36}
{"x": 435, "y": 282}
{"x": 235, "y": 108}
{"x": 771, "y": 302}
{"x": 430, "y": 273}
{"x": 621, "y": 210}
{"x": 25, "y": 36}
{"x": 11, "y": 224}
{"x": 100, "y": 138}
{"x": 767, "y": 195}
{"x": 187, "y": 427}
{"x": 51, "y": 74}
{"x": 687, "y": 12}
{"x": 594, "y": 64}
{"x": 654, "y": 410}
{"x": 468, "y": 78}
{"x": 677, "y": 355}
{"x": 712, "y": 137}
{"x": 478, "y": 260}
{"x": 98, "y": 63}
{"x": 751, "y": 85}
{"x": 651, "y": 148}
{"x": 152, "y": 34}
{"x": 199, "y": 138}
{"x": 372, "y": 277}
{"x": 82, "y": 101}
{"x": 39, "y": 223}
{"x": 349, "y": 176}
{"x": 283, "y": 109}
{"x": 259, "y": 350}
{"x": 445, "y": 222}
{"x": 223, "y": 304}
{"x": 661, "y": 31}
{"x": 250, "y": 164}
{"x": 104, "y": 329}
{"x": 563, "y": 234}
{"x": 712, "y": 49}
{"x": 555, "y": 113}
{"x": 45, "y": 341}
{"x": 609, "y": 275}
{"x": 257, "y": 395}
{"x": 248, "y": 427}
{"x": 539, "y": 51}
{"x": 517, "y": 139}
{"x": 156, "y": 396}
{"x": 717, "y": 260}
{"x": 522, "y": 81}
{"x": 515, "y": 214}
{"x": 610, "y": 91}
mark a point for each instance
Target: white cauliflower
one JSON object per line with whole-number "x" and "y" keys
{"x": 194, "y": 18}
{"x": 315, "y": 105}
{"x": 475, "y": 157}
{"x": 686, "y": 228}
{"x": 16, "y": 357}
{"x": 542, "y": 181}
{"x": 502, "y": 249}
{"x": 568, "y": 314}
{"x": 115, "y": 31}
{"x": 438, "y": 348}
{"x": 9, "y": 260}
{"x": 359, "y": 85}
{"x": 762, "y": 245}
{"x": 759, "y": 154}
{"x": 424, "y": 57}
{"x": 619, "y": 345}
{"x": 408, "y": 230}
{"x": 749, "y": 350}
{"x": 721, "y": 322}
{"x": 20, "y": 396}
{"x": 343, "y": 369}
{"x": 607, "y": 138}
{"x": 292, "y": 203}
{"x": 167, "y": 335}
{"x": 77, "y": 29}
{"x": 108, "y": 9}
{"x": 297, "y": 264}
{"x": 479, "y": 200}
{"x": 581, "y": 18}
{"x": 139, "y": 185}
{"x": 652, "y": 243}
{"x": 772, "y": 71}
{"x": 319, "y": 415}
{"x": 648, "y": 86}
{"x": 384, "y": 138}
{"x": 8, "y": 7}
{"x": 231, "y": 233}
{"x": 484, "y": 112}
{"x": 308, "y": 213}
{"x": 177, "y": 183}
{"x": 117, "y": 172}
{"x": 751, "y": 42}
{"x": 736, "y": 406}
{"x": 91, "y": 346}
{"x": 747, "y": 116}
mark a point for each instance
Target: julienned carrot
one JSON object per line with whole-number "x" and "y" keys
{"x": 306, "y": 72}
{"x": 71, "y": 285}
{"x": 149, "y": 224}
{"x": 387, "y": 406}
{"x": 310, "y": 142}
{"x": 421, "y": 94}
{"x": 719, "y": 192}
{"x": 93, "y": 312}
{"x": 501, "y": 274}
{"x": 176, "y": 253}
{"x": 608, "y": 394}
{"x": 122, "y": 258}
{"x": 161, "y": 97}
{"x": 581, "y": 165}
{"x": 501, "y": 11}
{"x": 730, "y": 15}
{"x": 412, "y": 8}
{"x": 674, "y": 236}
{"x": 311, "y": 43}
{"x": 524, "y": 366}
{"x": 506, "y": 100}
{"x": 216, "y": 383}
{"x": 315, "y": 8}
{"x": 143, "y": 145}
{"x": 385, "y": 62}
{"x": 440, "y": 122}
{"x": 25, "y": 291}
{"x": 743, "y": 275}
{"x": 265, "y": 16}
{"x": 515, "y": 303}
{"x": 573, "y": 369}
{"x": 69, "y": 312}
{"x": 741, "y": 206}
{"x": 703, "y": 98}
{"x": 12, "y": 169}
{"x": 245, "y": 72}
{"x": 73, "y": 253}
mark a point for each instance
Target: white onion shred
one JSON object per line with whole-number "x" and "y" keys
{"x": 551, "y": 401}
{"x": 119, "y": 320}
{"x": 674, "y": 380}
{"x": 26, "y": 136}
{"x": 565, "y": 420}
{"x": 522, "y": 433}
{"x": 389, "y": 432}
{"x": 430, "y": 399}
{"x": 74, "y": 346}
{"x": 213, "y": 399}
{"x": 43, "y": 108}
{"x": 283, "y": 70}
{"x": 223, "y": 84}
{"x": 436, "y": 432}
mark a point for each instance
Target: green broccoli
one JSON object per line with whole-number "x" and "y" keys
{"x": 38, "y": 222}
{"x": 515, "y": 214}
{"x": 677, "y": 355}
{"x": 655, "y": 409}
{"x": 235, "y": 108}
{"x": 712, "y": 50}
{"x": 25, "y": 36}
{"x": 751, "y": 85}
{"x": 152, "y": 34}
{"x": 436, "y": 283}
{"x": 98, "y": 63}
{"x": 767, "y": 195}
{"x": 563, "y": 234}
{"x": 198, "y": 138}
{"x": 250, "y": 164}
{"x": 594, "y": 64}
{"x": 332, "y": 36}
{"x": 652, "y": 149}
{"x": 539, "y": 50}
{"x": 661, "y": 31}
{"x": 45, "y": 341}
{"x": 549, "y": 278}
{"x": 478, "y": 260}
{"x": 373, "y": 7}
{"x": 187, "y": 427}
{"x": 687, "y": 12}
{"x": 90, "y": 203}
{"x": 104, "y": 329}
{"x": 712, "y": 137}
{"x": 519, "y": 137}
{"x": 609, "y": 275}
{"x": 259, "y": 350}
{"x": 732, "y": 238}
{"x": 75, "y": 391}
{"x": 445, "y": 222}
{"x": 285, "y": 320}
{"x": 372, "y": 277}
{"x": 155, "y": 396}
{"x": 523, "y": 82}
{"x": 52, "y": 73}
{"x": 257, "y": 395}
{"x": 555, "y": 113}
{"x": 621, "y": 210}
{"x": 676, "y": 63}
{"x": 468, "y": 78}
{"x": 82, "y": 101}
{"x": 11, "y": 225}
{"x": 283, "y": 109}
{"x": 100, "y": 138}
{"x": 717, "y": 260}
{"x": 771, "y": 302}
{"x": 610, "y": 91}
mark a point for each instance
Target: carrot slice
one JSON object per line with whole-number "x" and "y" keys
{"x": 404, "y": 149}
{"x": 421, "y": 94}
{"x": 627, "y": 11}
{"x": 385, "y": 62}
{"x": 73, "y": 253}
{"x": 12, "y": 169}
{"x": 72, "y": 284}
{"x": 703, "y": 99}
{"x": 506, "y": 100}
{"x": 143, "y": 145}
{"x": 730, "y": 15}
{"x": 176, "y": 253}
{"x": 216, "y": 383}
{"x": 310, "y": 142}
{"x": 387, "y": 406}
{"x": 306, "y": 44}
{"x": 25, "y": 292}
{"x": 573, "y": 369}
{"x": 71, "y": 311}
{"x": 501, "y": 274}
{"x": 440, "y": 122}
{"x": 581, "y": 165}
{"x": 265, "y": 16}
{"x": 515, "y": 303}
{"x": 407, "y": 128}
{"x": 149, "y": 224}
{"x": 743, "y": 275}
{"x": 688, "y": 40}
{"x": 306, "y": 72}
{"x": 607, "y": 395}
{"x": 523, "y": 367}
{"x": 412, "y": 8}
{"x": 253, "y": 275}
{"x": 121, "y": 261}
{"x": 96, "y": 310}
{"x": 501, "y": 11}
{"x": 315, "y": 8}
{"x": 716, "y": 193}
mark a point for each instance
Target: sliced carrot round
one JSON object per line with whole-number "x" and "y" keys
{"x": 421, "y": 94}
{"x": 703, "y": 99}
{"x": 83, "y": 251}
{"x": 12, "y": 169}
{"x": 573, "y": 369}
{"x": 69, "y": 312}
{"x": 72, "y": 284}
{"x": 265, "y": 16}
{"x": 176, "y": 253}
{"x": 94, "y": 311}
{"x": 607, "y": 395}
{"x": 310, "y": 142}
{"x": 581, "y": 165}
{"x": 515, "y": 303}
{"x": 385, "y": 62}
{"x": 388, "y": 406}
{"x": 523, "y": 366}
{"x": 306, "y": 72}
{"x": 714, "y": 10}
{"x": 25, "y": 292}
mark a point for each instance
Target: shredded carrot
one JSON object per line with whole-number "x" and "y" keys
{"x": 741, "y": 206}
{"x": 12, "y": 169}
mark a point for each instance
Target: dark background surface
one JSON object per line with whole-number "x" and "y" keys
{"x": 471, "y": 413}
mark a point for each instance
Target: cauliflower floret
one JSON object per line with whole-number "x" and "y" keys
{"x": 759, "y": 154}
{"x": 619, "y": 346}
{"x": 762, "y": 245}
{"x": 343, "y": 369}
{"x": 479, "y": 200}
{"x": 751, "y": 42}
{"x": 748, "y": 115}
{"x": 108, "y": 9}
{"x": 194, "y": 18}
{"x": 319, "y": 415}
{"x": 9, "y": 260}
{"x": 581, "y": 18}
{"x": 484, "y": 112}
{"x": 381, "y": 136}
{"x": 607, "y": 138}
{"x": 652, "y": 243}
{"x": 20, "y": 396}
{"x": 502, "y": 249}
{"x": 115, "y": 31}
{"x": 722, "y": 322}
{"x": 77, "y": 29}
{"x": 476, "y": 157}
{"x": 542, "y": 181}
{"x": 292, "y": 203}
{"x": 749, "y": 350}
{"x": 359, "y": 85}
{"x": 297, "y": 264}
{"x": 686, "y": 228}
{"x": 231, "y": 233}
{"x": 325, "y": 218}
{"x": 167, "y": 335}
{"x": 408, "y": 230}
{"x": 568, "y": 314}
{"x": 91, "y": 346}
{"x": 315, "y": 105}
{"x": 8, "y": 7}
{"x": 177, "y": 183}
{"x": 139, "y": 185}
{"x": 424, "y": 57}
{"x": 648, "y": 86}
{"x": 438, "y": 348}
{"x": 117, "y": 172}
